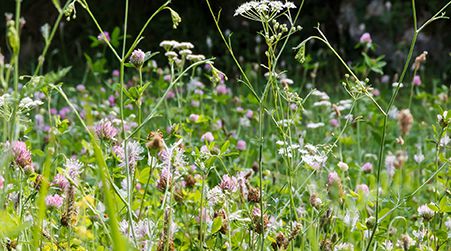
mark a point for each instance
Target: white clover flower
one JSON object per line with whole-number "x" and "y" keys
{"x": 388, "y": 245}
{"x": 215, "y": 196}
{"x": 245, "y": 122}
{"x": 448, "y": 224}
{"x": 425, "y": 212}
{"x": 420, "y": 234}
{"x": 134, "y": 151}
{"x": 419, "y": 157}
{"x": 343, "y": 166}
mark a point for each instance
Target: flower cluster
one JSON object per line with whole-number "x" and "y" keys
{"x": 263, "y": 9}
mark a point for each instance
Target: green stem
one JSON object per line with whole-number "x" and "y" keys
{"x": 384, "y": 129}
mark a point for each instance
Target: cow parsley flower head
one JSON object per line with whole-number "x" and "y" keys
{"x": 263, "y": 9}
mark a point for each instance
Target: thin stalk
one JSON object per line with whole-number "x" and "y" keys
{"x": 145, "y": 188}
{"x": 325, "y": 41}
{"x": 412, "y": 86}
{"x": 139, "y": 103}
{"x": 138, "y": 38}
{"x": 384, "y": 129}
{"x": 163, "y": 97}
{"x": 127, "y": 164}
{"x": 118, "y": 242}
{"x": 201, "y": 221}
{"x": 85, "y": 5}
{"x": 49, "y": 40}
{"x": 229, "y": 48}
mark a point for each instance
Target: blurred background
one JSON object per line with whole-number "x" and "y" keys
{"x": 343, "y": 22}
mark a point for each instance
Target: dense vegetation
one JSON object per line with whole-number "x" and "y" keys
{"x": 285, "y": 145}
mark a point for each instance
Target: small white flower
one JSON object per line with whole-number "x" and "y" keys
{"x": 343, "y": 166}
{"x": 28, "y": 103}
{"x": 390, "y": 164}
{"x": 425, "y": 212}
{"x": 444, "y": 141}
{"x": 419, "y": 157}
{"x": 325, "y": 103}
{"x": 315, "y": 125}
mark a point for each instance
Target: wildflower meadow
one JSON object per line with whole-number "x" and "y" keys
{"x": 180, "y": 148}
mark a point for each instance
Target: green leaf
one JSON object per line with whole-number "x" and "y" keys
{"x": 115, "y": 37}
{"x": 217, "y": 224}
{"x": 149, "y": 55}
{"x": 11, "y": 226}
{"x": 445, "y": 205}
{"x": 225, "y": 146}
{"x": 433, "y": 207}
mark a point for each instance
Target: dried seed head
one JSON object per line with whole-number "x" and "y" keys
{"x": 69, "y": 216}
{"x": 296, "y": 230}
{"x": 401, "y": 158}
{"x": 281, "y": 242}
{"x": 315, "y": 201}
{"x": 253, "y": 195}
{"x": 420, "y": 59}
{"x": 257, "y": 223}
{"x": 255, "y": 166}
{"x": 405, "y": 121}
{"x": 155, "y": 141}
{"x": 190, "y": 181}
